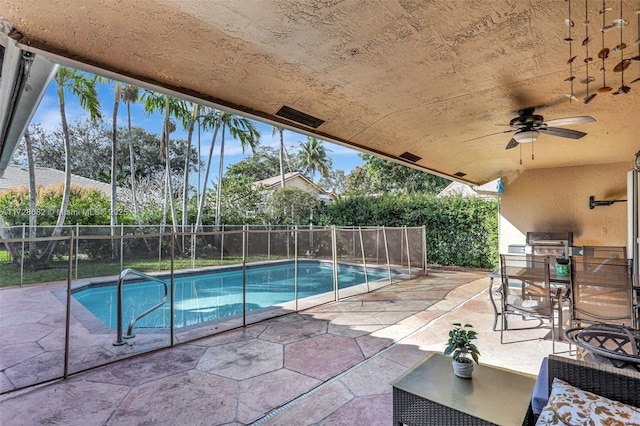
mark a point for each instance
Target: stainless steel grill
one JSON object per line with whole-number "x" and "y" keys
{"x": 552, "y": 244}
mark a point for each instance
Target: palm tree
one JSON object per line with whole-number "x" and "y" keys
{"x": 213, "y": 118}
{"x": 240, "y": 128}
{"x": 84, "y": 87}
{"x": 129, "y": 96}
{"x": 313, "y": 158}
{"x": 280, "y": 131}
{"x": 247, "y": 133}
{"x": 190, "y": 125}
{"x": 114, "y": 166}
{"x": 172, "y": 107}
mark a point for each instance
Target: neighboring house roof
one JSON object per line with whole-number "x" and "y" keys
{"x": 488, "y": 190}
{"x": 295, "y": 180}
{"x": 17, "y": 177}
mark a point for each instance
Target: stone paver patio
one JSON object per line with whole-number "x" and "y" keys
{"x": 329, "y": 365}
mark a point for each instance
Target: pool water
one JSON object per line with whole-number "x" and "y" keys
{"x": 217, "y": 294}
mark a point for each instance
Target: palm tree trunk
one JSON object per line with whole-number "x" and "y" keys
{"x": 114, "y": 165}
{"x": 198, "y": 190}
{"x": 185, "y": 187}
{"x": 67, "y": 179}
{"x": 33, "y": 218}
{"x": 220, "y": 171}
{"x": 206, "y": 173}
{"x": 281, "y": 157}
{"x": 132, "y": 166}
{"x": 132, "y": 176}
{"x": 172, "y": 200}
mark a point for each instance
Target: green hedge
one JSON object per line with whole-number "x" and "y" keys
{"x": 460, "y": 231}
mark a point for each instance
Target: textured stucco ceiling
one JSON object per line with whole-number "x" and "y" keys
{"x": 387, "y": 76}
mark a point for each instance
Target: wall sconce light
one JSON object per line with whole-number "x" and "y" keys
{"x": 594, "y": 203}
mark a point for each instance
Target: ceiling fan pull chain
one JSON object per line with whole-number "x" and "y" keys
{"x": 520, "y": 154}
{"x": 532, "y": 143}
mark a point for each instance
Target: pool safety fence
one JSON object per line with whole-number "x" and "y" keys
{"x": 54, "y": 335}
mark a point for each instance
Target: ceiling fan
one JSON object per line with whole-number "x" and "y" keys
{"x": 528, "y": 126}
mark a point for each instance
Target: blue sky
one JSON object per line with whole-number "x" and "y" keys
{"x": 48, "y": 115}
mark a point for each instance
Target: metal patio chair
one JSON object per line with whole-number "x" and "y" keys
{"x": 527, "y": 291}
{"x": 601, "y": 290}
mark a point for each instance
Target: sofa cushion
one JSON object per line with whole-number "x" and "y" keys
{"x": 569, "y": 405}
{"x": 541, "y": 389}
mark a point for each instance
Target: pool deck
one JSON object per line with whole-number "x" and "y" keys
{"x": 329, "y": 365}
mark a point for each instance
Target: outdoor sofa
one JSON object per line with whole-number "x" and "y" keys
{"x": 568, "y": 404}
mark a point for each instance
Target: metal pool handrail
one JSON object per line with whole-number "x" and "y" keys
{"x": 120, "y": 339}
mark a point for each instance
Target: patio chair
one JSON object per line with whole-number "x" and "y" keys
{"x": 527, "y": 291}
{"x": 602, "y": 290}
{"x": 495, "y": 283}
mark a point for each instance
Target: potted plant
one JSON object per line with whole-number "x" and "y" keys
{"x": 461, "y": 346}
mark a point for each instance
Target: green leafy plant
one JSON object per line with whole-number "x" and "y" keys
{"x": 460, "y": 345}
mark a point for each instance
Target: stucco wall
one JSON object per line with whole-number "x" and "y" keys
{"x": 558, "y": 200}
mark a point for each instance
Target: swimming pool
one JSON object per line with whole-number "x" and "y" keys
{"x": 215, "y": 294}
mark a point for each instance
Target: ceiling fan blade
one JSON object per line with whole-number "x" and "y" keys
{"x": 571, "y": 120}
{"x": 563, "y": 133}
{"x": 512, "y": 144}
{"x": 490, "y": 134}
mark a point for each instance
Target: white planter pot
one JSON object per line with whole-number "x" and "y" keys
{"x": 462, "y": 369}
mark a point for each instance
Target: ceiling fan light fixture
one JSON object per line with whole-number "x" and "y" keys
{"x": 526, "y": 136}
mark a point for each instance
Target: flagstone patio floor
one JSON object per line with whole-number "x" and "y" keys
{"x": 329, "y": 365}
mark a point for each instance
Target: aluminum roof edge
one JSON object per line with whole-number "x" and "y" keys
{"x": 25, "y": 78}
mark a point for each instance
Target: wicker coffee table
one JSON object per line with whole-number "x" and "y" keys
{"x": 430, "y": 394}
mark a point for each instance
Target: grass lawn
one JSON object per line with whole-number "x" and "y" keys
{"x": 57, "y": 270}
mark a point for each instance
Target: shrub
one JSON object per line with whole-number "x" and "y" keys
{"x": 460, "y": 231}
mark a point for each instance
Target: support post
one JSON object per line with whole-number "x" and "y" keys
{"x": 244, "y": 275}
{"x": 22, "y": 256}
{"x": 386, "y": 249}
{"x": 334, "y": 258}
{"x": 171, "y": 296}
{"x": 295, "y": 266}
{"x": 406, "y": 239}
{"x": 68, "y": 313}
{"x": 424, "y": 249}
{"x": 364, "y": 260}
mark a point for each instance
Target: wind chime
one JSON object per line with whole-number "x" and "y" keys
{"x": 624, "y": 63}
{"x": 587, "y": 59}
{"x": 569, "y": 40}
{"x": 637, "y": 43}
{"x": 604, "y": 53}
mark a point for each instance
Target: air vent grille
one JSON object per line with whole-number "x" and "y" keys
{"x": 299, "y": 117}
{"x": 410, "y": 157}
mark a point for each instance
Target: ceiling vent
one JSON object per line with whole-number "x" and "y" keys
{"x": 459, "y": 174}
{"x": 299, "y": 117}
{"x": 410, "y": 157}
